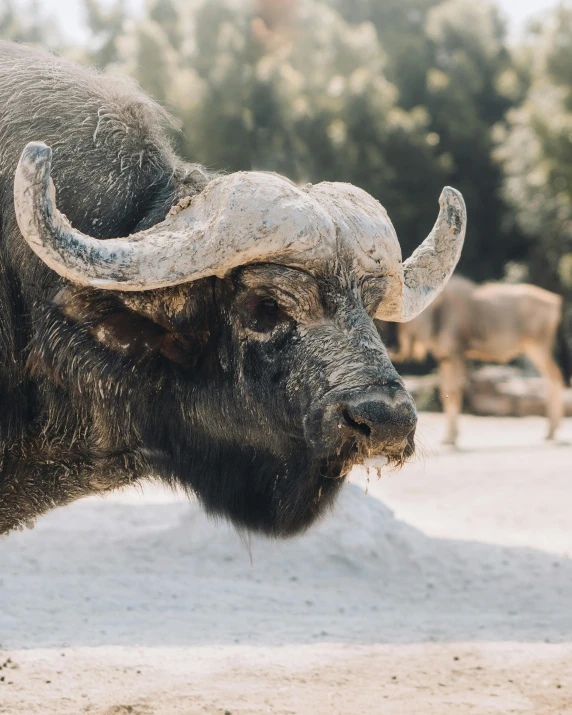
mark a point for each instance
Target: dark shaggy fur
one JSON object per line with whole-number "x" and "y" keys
{"x": 223, "y": 386}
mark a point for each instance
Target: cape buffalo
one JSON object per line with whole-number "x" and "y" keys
{"x": 493, "y": 322}
{"x": 215, "y": 331}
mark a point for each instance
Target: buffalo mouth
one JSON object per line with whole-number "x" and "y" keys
{"x": 355, "y": 452}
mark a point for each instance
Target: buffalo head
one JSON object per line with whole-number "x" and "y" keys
{"x": 237, "y": 349}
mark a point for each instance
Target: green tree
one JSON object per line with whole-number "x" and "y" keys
{"x": 470, "y": 86}
{"x": 27, "y": 23}
{"x": 535, "y": 150}
{"x": 401, "y": 28}
{"x": 106, "y": 24}
{"x": 450, "y": 57}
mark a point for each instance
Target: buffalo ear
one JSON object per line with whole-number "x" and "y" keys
{"x": 123, "y": 330}
{"x": 133, "y": 334}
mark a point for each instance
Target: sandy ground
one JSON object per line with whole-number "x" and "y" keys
{"x": 447, "y": 588}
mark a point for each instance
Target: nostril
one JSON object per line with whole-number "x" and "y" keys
{"x": 360, "y": 427}
{"x": 394, "y": 386}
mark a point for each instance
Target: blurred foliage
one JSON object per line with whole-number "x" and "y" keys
{"x": 401, "y": 26}
{"x": 451, "y": 58}
{"x": 470, "y": 86}
{"x": 106, "y": 23}
{"x": 535, "y": 150}
{"x": 25, "y": 22}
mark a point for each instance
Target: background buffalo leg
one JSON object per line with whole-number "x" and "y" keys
{"x": 451, "y": 374}
{"x": 547, "y": 367}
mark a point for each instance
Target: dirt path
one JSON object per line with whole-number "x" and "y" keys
{"x": 394, "y": 680}
{"x": 460, "y": 601}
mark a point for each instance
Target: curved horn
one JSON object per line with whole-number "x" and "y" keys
{"x": 426, "y": 272}
{"x": 237, "y": 219}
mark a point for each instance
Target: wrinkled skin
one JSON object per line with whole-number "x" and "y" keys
{"x": 257, "y": 391}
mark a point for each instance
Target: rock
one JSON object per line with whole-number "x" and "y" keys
{"x": 492, "y": 390}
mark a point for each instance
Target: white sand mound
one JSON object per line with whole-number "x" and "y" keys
{"x": 100, "y": 572}
{"x": 359, "y": 538}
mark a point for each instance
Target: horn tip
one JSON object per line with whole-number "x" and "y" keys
{"x": 36, "y": 153}
{"x": 453, "y": 209}
{"x": 450, "y": 194}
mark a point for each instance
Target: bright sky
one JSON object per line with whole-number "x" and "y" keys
{"x": 69, "y": 12}
{"x": 519, "y": 11}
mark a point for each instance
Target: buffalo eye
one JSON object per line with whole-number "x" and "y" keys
{"x": 263, "y": 314}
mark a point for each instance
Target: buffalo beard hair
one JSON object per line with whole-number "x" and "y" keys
{"x": 275, "y": 495}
